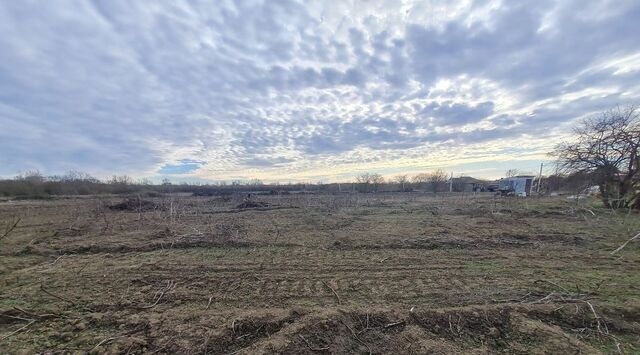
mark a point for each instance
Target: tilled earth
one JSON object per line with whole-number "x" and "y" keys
{"x": 364, "y": 273}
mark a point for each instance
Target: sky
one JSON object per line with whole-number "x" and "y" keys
{"x": 312, "y": 91}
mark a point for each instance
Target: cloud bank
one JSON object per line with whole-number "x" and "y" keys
{"x": 304, "y": 90}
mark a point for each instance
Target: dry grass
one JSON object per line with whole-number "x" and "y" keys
{"x": 412, "y": 274}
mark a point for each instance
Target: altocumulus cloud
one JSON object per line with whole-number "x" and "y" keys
{"x": 303, "y": 89}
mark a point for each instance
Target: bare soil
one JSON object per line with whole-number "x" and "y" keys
{"x": 350, "y": 273}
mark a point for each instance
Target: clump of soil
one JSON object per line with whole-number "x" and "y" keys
{"x": 245, "y": 332}
{"x": 135, "y": 205}
{"x": 489, "y": 329}
{"x": 252, "y": 204}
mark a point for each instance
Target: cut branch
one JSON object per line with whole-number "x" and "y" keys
{"x": 54, "y": 295}
{"x": 625, "y": 244}
{"x": 10, "y": 228}
{"x": 334, "y": 292}
{"x": 311, "y": 347}
{"x": 18, "y": 330}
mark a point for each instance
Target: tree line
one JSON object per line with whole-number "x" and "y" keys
{"x": 603, "y": 151}
{"x": 435, "y": 181}
{"x": 34, "y": 185}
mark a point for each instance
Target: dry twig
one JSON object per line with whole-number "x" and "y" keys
{"x": 625, "y": 244}
{"x": 54, "y": 295}
{"x": 552, "y": 283}
{"x": 588, "y": 210}
{"x": 106, "y": 341}
{"x": 355, "y": 336}
{"x": 600, "y": 323}
{"x": 34, "y": 318}
{"x": 311, "y": 347}
{"x": 58, "y": 258}
{"x": 159, "y": 294}
{"x": 18, "y": 330}
{"x": 10, "y": 228}
{"x": 334, "y": 291}
{"x": 33, "y": 315}
{"x": 394, "y": 324}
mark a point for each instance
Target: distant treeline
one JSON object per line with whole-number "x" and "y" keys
{"x": 38, "y": 188}
{"x": 34, "y": 185}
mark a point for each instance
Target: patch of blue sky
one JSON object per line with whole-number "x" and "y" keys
{"x": 182, "y": 167}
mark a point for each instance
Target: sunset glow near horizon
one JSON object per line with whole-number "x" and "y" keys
{"x": 293, "y": 91}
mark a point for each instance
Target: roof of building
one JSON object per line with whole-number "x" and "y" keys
{"x": 468, "y": 180}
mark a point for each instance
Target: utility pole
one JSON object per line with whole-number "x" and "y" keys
{"x": 539, "y": 178}
{"x": 451, "y": 183}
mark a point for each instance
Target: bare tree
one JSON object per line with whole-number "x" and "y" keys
{"x": 145, "y": 182}
{"x": 401, "y": 180}
{"x": 75, "y": 175}
{"x": 420, "y": 179}
{"x": 437, "y": 179}
{"x": 363, "y": 180}
{"x": 376, "y": 181}
{"x": 120, "y": 180}
{"x": 369, "y": 182}
{"x": 512, "y": 173}
{"x": 32, "y": 176}
{"x": 606, "y": 148}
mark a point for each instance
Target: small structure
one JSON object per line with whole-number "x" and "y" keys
{"x": 468, "y": 184}
{"x": 516, "y": 185}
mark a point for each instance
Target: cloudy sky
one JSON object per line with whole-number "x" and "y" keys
{"x": 289, "y": 90}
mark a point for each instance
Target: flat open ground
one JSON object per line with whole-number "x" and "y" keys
{"x": 362, "y": 273}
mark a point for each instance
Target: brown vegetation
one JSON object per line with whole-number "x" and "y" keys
{"x": 317, "y": 273}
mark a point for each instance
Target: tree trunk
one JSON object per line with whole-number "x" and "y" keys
{"x": 604, "y": 190}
